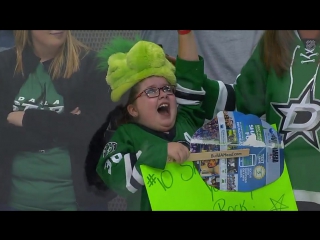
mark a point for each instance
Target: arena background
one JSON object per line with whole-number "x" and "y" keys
{"x": 95, "y": 39}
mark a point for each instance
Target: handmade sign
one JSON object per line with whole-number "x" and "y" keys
{"x": 237, "y": 133}
{"x": 258, "y": 183}
{"x": 181, "y": 188}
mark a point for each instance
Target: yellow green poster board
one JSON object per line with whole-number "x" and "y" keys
{"x": 180, "y": 188}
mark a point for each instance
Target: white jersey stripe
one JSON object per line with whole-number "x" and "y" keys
{"x": 222, "y": 98}
{"x": 128, "y": 168}
{"x": 307, "y": 196}
{"x": 135, "y": 174}
{"x": 187, "y": 102}
{"x": 184, "y": 101}
{"x": 190, "y": 91}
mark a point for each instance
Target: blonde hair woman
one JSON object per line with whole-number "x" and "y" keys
{"x": 52, "y": 100}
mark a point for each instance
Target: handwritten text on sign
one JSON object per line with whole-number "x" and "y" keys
{"x": 180, "y": 187}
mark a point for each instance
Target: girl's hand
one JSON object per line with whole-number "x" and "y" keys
{"x": 178, "y": 152}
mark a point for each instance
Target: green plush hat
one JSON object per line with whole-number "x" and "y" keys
{"x": 130, "y": 62}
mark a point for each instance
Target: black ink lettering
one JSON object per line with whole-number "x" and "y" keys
{"x": 159, "y": 180}
{"x": 275, "y": 155}
{"x": 221, "y": 205}
{"x": 195, "y": 171}
{"x": 163, "y": 184}
{"x": 243, "y": 207}
{"x": 151, "y": 180}
{"x": 215, "y": 189}
{"x": 211, "y": 191}
{"x": 278, "y": 204}
{"x": 230, "y": 208}
{"x": 192, "y": 172}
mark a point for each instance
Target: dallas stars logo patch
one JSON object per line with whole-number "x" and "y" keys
{"x": 300, "y": 117}
{"x": 109, "y": 148}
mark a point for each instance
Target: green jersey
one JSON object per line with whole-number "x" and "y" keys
{"x": 41, "y": 180}
{"x": 133, "y": 145}
{"x": 292, "y": 102}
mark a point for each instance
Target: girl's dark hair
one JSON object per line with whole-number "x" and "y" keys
{"x": 120, "y": 114}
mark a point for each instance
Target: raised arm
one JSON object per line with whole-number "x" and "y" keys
{"x": 247, "y": 94}
{"x": 187, "y": 48}
{"x": 190, "y": 79}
